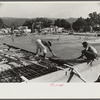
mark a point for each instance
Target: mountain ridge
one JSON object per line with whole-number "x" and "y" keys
{"x": 21, "y": 21}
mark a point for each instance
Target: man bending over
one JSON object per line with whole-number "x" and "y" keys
{"x": 42, "y": 45}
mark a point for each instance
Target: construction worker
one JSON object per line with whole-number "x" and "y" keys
{"x": 42, "y": 45}
{"x": 89, "y": 52}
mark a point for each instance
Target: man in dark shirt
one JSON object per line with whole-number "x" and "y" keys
{"x": 42, "y": 45}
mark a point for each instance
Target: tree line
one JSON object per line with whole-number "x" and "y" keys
{"x": 91, "y": 23}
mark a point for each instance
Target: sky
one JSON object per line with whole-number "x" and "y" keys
{"x": 48, "y": 9}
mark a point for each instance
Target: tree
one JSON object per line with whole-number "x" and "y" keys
{"x": 99, "y": 18}
{"x": 94, "y": 17}
{"x": 79, "y": 24}
{"x": 46, "y": 22}
{"x": 57, "y": 23}
{"x": 90, "y": 25}
{"x": 62, "y": 23}
{"x": 1, "y": 23}
{"x": 90, "y": 22}
{"x": 65, "y": 24}
{"x": 28, "y": 23}
{"x": 13, "y": 25}
{"x": 38, "y": 22}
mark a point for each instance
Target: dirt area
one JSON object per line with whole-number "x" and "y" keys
{"x": 67, "y": 47}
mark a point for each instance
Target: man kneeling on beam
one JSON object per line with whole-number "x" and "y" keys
{"x": 89, "y": 52}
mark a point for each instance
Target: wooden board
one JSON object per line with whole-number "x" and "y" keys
{"x": 87, "y": 72}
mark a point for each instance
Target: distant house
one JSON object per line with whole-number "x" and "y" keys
{"x": 52, "y": 30}
{"x": 4, "y": 31}
{"x": 45, "y": 30}
{"x": 60, "y": 30}
{"x": 22, "y": 27}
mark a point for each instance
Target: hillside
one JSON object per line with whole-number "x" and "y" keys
{"x": 16, "y": 21}
{"x": 71, "y": 20}
{"x": 21, "y": 21}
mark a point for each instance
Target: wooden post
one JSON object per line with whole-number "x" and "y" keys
{"x": 71, "y": 75}
{"x": 74, "y": 71}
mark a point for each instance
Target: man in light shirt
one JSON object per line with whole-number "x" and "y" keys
{"x": 42, "y": 45}
{"x": 89, "y": 52}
